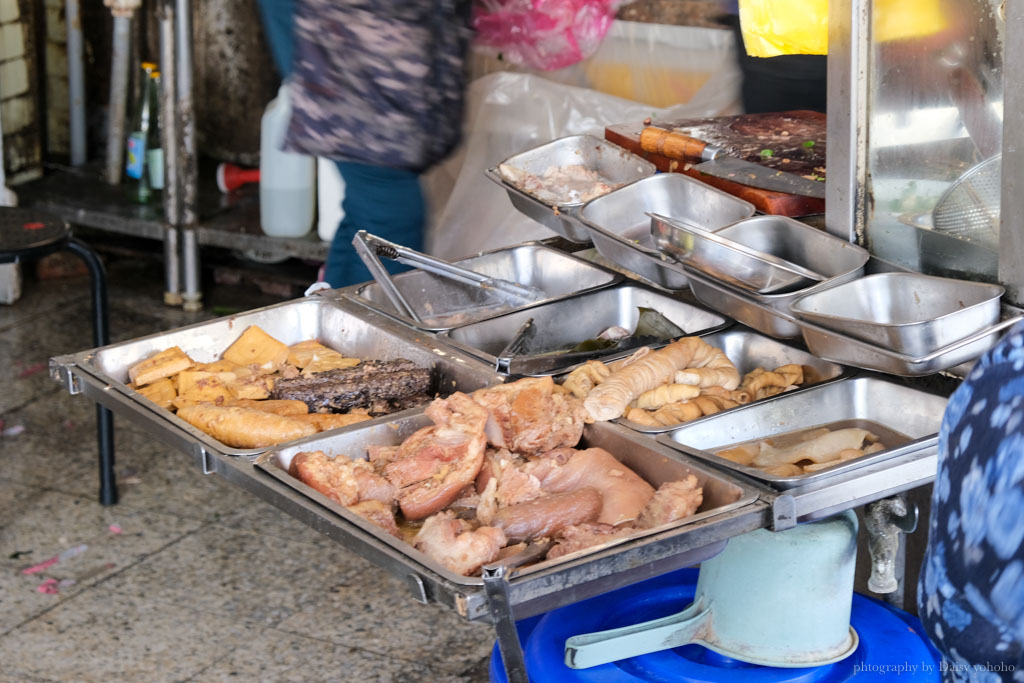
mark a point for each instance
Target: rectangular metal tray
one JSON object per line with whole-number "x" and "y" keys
{"x": 915, "y": 413}
{"x": 654, "y": 463}
{"x": 908, "y": 313}
{"x": 621, "y": 230}
{"x": 556, "y": 273}
{"x": 575, "y": 319}
{"x": 611, "y": 161}
{"x": 834, "y": 346}
{"x": 836, "y": 259}
{"x": 749, "y": 350}
{"x": 341, "y": 325}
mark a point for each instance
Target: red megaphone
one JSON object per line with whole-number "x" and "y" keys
{"x": 231, "y": 177}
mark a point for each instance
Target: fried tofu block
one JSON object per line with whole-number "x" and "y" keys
{"x": 164, "y": 364}
{"x": 300, "y": 355}
{"x": 285, "y": 406}
{"x": 325, "y": 421}
{"x": 256, "y": 347}
{"x": 160, "y": 392}
{"x": 311, "y": 356}
{"x": 218, "y": 366}
{"x": 196, "y": 385}
{"x": 253, "y": 387}
{"x": 244, "y": 427}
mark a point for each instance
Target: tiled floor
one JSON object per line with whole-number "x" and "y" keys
{"x": 189, "y": 578}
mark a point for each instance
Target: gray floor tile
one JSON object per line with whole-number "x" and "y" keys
{"x": 353, "y": 614}
{"x": 262, "y": 517}
{"x": 108, "y": 636}
{"x": 241, "y": 575}
{"x": 280, "y": 657}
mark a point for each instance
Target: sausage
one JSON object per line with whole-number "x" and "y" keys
{"x": 547, "y": 515}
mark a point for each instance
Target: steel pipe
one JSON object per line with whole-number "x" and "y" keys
{"x": 76, "y": 82}
{"x": 188, "y": 162}
{"x": 192, "y": 296}
{"x": 118, "y": 96}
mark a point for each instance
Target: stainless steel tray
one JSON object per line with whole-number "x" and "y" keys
{"x": 911, "y": 412}
{"x": 908, "y": 313}
{"x": 341, "y": 325}
{"x": 621, "y": 231}
{"x": 575, "y": 319}
{"x": 834, "y": 346}
{"x": 749, "y": 350}
{"x": 654, "y": 463}
{"x": 611, "y": 161}
{"x": 556, "y": 273}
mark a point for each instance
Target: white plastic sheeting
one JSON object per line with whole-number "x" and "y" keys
{"x": 511, "y": 112}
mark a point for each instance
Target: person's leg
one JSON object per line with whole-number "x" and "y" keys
{"x": 278, "y": 22}
{"x": 386, "y": 202}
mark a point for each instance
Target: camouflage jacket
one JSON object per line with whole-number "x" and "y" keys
{"x": 379, "y": 81}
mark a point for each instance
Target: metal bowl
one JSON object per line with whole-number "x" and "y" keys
{"x": 621, "y": 231}
{"x": 909, "y": 313}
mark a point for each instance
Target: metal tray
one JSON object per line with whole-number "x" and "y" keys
{"x": 749, "y": 350}
{"x": 834, "y": 346}
{"x": 611, "y": 161}
{"x": 572, "y": 320}
{"x": 621, "y": 231}
{"x": 655, "y": 464}
{"x": 724, "y": 259}
{"x": 556, "y": 273}
{"x": 908, "y": 313}
{"x": 341, "y": 325}
{"x": 911, "y": 412}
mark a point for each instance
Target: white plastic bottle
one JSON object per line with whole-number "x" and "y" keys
{"x": 287, "y": 180}
{"x": 330, "y": 190}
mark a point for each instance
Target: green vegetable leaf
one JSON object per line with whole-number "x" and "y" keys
{"x": 767, "y": 153}
{"x": 809, "y": 143}
{"x": 650, "y": 323}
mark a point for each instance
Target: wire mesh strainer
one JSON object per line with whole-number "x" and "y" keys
{"x": 969, "y": 208}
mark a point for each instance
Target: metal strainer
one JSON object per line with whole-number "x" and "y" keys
{"x": 969, "y": 208}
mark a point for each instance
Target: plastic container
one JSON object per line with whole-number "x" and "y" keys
{"x": 891, "y": 641}
{"x": 287, "y": 180}
{"x": 330, "y": 191}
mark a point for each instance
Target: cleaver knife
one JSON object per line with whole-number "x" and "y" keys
{"x": 714, "y": 162}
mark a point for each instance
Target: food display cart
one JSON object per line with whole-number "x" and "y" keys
{"x": 851, "y": 373}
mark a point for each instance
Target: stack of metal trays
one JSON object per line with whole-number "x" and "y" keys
{"x": 905, "y": 420}
{"x": 611, "y": 162}
{"x": 835, "y": 259}
{"x": 445, "y": 303}
{"x": 729, "y": 507}
{"x": 748, "y": 350}
{"x": 570, "y": 321}
{"x": 102, "y": 374}
{"x": 621, "y": 230}
{"x": 902, "y": 323}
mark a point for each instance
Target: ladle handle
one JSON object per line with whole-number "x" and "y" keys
{"x": 601, "y": 647}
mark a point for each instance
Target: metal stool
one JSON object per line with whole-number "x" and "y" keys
{"x": 27, "y": 233}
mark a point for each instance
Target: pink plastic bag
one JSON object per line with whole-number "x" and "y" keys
{"x": 543, "y": 34}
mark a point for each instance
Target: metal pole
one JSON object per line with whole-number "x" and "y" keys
{"x": 118, "y": 94}
{"x": 169, "y": 137}
{"x": 849, "y": 39}
{"x": 76, "y": 82}
{"x": 1011, "y": 235}
{"x": 192, "y": 295}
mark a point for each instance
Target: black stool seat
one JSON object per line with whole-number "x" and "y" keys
{"x": 29, "y": 233}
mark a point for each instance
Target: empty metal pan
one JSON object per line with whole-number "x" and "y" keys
{"x": 906, "y": 312}
{"x": 621, "y": 230}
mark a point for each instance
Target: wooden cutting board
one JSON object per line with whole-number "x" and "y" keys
{"x": 792, "y": 141}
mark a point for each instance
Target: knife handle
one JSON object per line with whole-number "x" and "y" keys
{"x": 676, "y": 145}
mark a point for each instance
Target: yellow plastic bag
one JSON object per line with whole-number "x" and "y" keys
{"x": 800, "y": 27}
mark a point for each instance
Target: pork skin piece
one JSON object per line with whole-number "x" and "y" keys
{"x": 451, "y": 542}
{"x": 581, "y": 536}
{"x": 436, "y": 463}
{"x": 674, "y": 500}
{"x": 379, "y": 513}
{"x": 341, "y": 479}
{"x": 341, "y": 390}
{"x": 529, "y": 417}
{"x": 506, "y": 483}
{"x": 623, "y": 491}
{"x": 548, "y": 515}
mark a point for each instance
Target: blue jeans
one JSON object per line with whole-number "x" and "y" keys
{"x": 387, "y": 202}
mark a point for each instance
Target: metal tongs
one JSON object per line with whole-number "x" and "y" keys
{"x": 703, "y": 233}
{"x": 376, "y": 247}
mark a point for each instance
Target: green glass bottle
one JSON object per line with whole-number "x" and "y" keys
{"x": 138, "y": 185}
{"x": 154, "y": 147}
